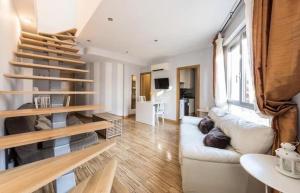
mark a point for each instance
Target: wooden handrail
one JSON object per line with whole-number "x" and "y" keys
{"x": 100, "y": 182}
{"x": 30, "y": 77}
{"x": 16, "y": 140}
{"x": 44, "y": 66}
{"x": 40, "y": 37}
{"x": 43, "y": 49}
{"x": 30, "y": 177}
{"x": 43, "y": 57}
{"x": 45, "y": 111}
{"x": 41, "y": 43}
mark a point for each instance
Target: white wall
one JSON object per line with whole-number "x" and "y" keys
{"x": 202, "y": 57}
{"x": 55, "y": 15}
{"x": 84, "y": 12}
{"x": 9, "y": 30}
{"x": 112, "y": 85}
{"x": 60, "y": 15}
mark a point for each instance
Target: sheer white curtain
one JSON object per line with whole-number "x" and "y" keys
{"x": 249, "y": 19}
{"x": 220, "y": 82}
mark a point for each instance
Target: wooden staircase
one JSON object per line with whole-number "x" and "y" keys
{"x": 56, "y": 51}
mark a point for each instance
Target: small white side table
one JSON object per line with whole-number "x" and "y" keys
{"x": 262, "y": 167}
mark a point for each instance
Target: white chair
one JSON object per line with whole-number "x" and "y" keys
{"x": 160, "y": 112}
{"x": 141, "y": 99}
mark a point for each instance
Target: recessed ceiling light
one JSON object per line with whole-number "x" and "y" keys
{"x": 155, "y": 40}
{"x": 88, "y": 40}
{"x": 110, "y": 19}
{"x": 126, "y": 52}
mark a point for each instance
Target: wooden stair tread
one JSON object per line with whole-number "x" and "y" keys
{"x": 50, "y": 92}
{"x": 30, "y": 177}
{"x": 43, "y": 111}
{"x": 41, "y": 43}
{"x": 44, "y": 66}
{"x": 44, "y": 49}
{"x": 16, "y": 140}
{"x": 40, "y": 37}
{"x": 62, "y": 36}
{"x": 100, "y": 182}
{"x": 32, "y": 77}
{"x": 37, "y": 56}
{"x": 71, "y": 31}
{"x": 118, "y": 187}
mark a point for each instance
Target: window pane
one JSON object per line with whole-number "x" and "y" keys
{"x": 233, "y": 72}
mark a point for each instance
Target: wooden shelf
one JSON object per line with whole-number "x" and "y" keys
{"x": 30, "y": 177}
{"x": 39, "y": 37}
{"x": 37, "y": 56}
{"x": 40, "y": 43}
{"x": 16, "y": 140}
{"x": 100, "y": 182}
{"x": 43, "y": 111}
{"x": 43, "y": 49}
{"x": 20, "y": 76}
{"x": 44, "y": 66}
{"x": 50, "y": 92}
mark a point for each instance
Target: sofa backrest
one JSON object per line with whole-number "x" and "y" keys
{"x": 246, "y": 137}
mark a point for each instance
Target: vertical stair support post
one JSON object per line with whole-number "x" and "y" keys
{"x": 61, "y": 146}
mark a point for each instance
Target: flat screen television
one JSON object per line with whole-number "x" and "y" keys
{"x": 161, "y": 83}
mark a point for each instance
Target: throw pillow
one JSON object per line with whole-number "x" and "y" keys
{"x": 205, "y": 125}
{"x": 43, "y": 123}
{"x": 216, "y": 138}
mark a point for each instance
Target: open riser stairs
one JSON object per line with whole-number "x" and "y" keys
{"x": 56, "y": 51}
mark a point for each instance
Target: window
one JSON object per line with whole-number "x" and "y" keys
{"x": 239, "y": 84}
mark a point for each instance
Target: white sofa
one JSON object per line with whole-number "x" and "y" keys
{"x": 211, "y": 170}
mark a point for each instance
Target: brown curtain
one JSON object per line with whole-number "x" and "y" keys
{"x": 276, "y": 62}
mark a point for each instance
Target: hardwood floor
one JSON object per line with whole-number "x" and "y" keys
{"x": 147, "y": 159}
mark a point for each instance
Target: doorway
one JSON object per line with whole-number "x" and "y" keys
{"x": 146, "y": 85}
{"x": 187, "y": 91}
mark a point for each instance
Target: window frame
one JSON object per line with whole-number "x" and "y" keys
{"x": 237, "y": 41}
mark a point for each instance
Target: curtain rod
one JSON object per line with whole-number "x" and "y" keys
{"x": 230, "y": 16}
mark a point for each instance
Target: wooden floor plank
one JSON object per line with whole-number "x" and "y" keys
{"x": 147, "y": 160}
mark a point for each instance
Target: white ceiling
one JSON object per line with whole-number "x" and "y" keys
{"x": 179, "y": 26}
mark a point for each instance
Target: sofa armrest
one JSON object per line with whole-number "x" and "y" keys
{"x": 191, "y": 120}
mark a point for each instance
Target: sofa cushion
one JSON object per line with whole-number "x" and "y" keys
{"x": 216, "y": 138}
{"x": 192, "y": 147}
{"x": 191, "y": 120}
{"x": 246, "y": 137}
